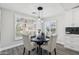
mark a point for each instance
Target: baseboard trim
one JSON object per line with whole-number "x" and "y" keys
{"x": 60, "y": 43}
{"x": 72, "y": 50}
{"x": 9, "y": 47}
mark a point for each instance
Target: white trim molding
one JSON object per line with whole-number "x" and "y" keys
{"x": 9, "y": 47}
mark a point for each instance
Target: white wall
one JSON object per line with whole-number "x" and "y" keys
{"x": 8, "y": 30}
{"x": 0, "y": 24}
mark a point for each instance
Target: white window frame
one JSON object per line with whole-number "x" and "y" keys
{"x": 21, "y": 16}
{"x": 17, "y": 16}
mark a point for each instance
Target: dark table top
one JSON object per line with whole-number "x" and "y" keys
{"x": 39, "y": 41}
{"x": 34, "y": 38}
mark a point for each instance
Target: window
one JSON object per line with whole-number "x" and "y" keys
{"x": 24, "y": 25}
{"x": 19, "y": 22}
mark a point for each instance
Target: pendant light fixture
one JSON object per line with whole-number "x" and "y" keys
{"x": 39, "y": 10}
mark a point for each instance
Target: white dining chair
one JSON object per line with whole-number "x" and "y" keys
{"x": 28, "y": 45}
{"x": 51, "y": 45}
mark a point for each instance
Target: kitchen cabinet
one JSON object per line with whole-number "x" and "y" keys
{"x": 72, "y": 41}
{"x": 75, "y": 17}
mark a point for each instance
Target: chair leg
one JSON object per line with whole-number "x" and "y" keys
{"x": 28, "y": 52}
{"x": 24, "y": 51}
{"x": 49, "y": 53}
{"x": 55, "y": 50}
{"x": 37, "y": 50}
{"x": 41, "y": 51}
{"x": 33, "y": 49}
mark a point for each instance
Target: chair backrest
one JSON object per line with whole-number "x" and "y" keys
{"x": 27, "y": 42}
{"x": 53, "y": 42}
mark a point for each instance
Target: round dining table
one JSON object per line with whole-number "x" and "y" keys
{"x": 39, "y": 42}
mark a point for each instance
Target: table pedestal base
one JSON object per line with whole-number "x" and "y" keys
{"x": 39, "y": 50}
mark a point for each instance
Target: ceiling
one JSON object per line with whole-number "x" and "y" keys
{"x": 68, "y": 6}
{"x": 49, "y": 9}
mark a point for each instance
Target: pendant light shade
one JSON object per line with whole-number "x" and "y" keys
{"x": 40, "y": 8}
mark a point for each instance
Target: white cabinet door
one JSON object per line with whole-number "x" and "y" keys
{"x": 68, "y": 19}
{"x": 72, "y": 42}
{"x": 75, "y": 16}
